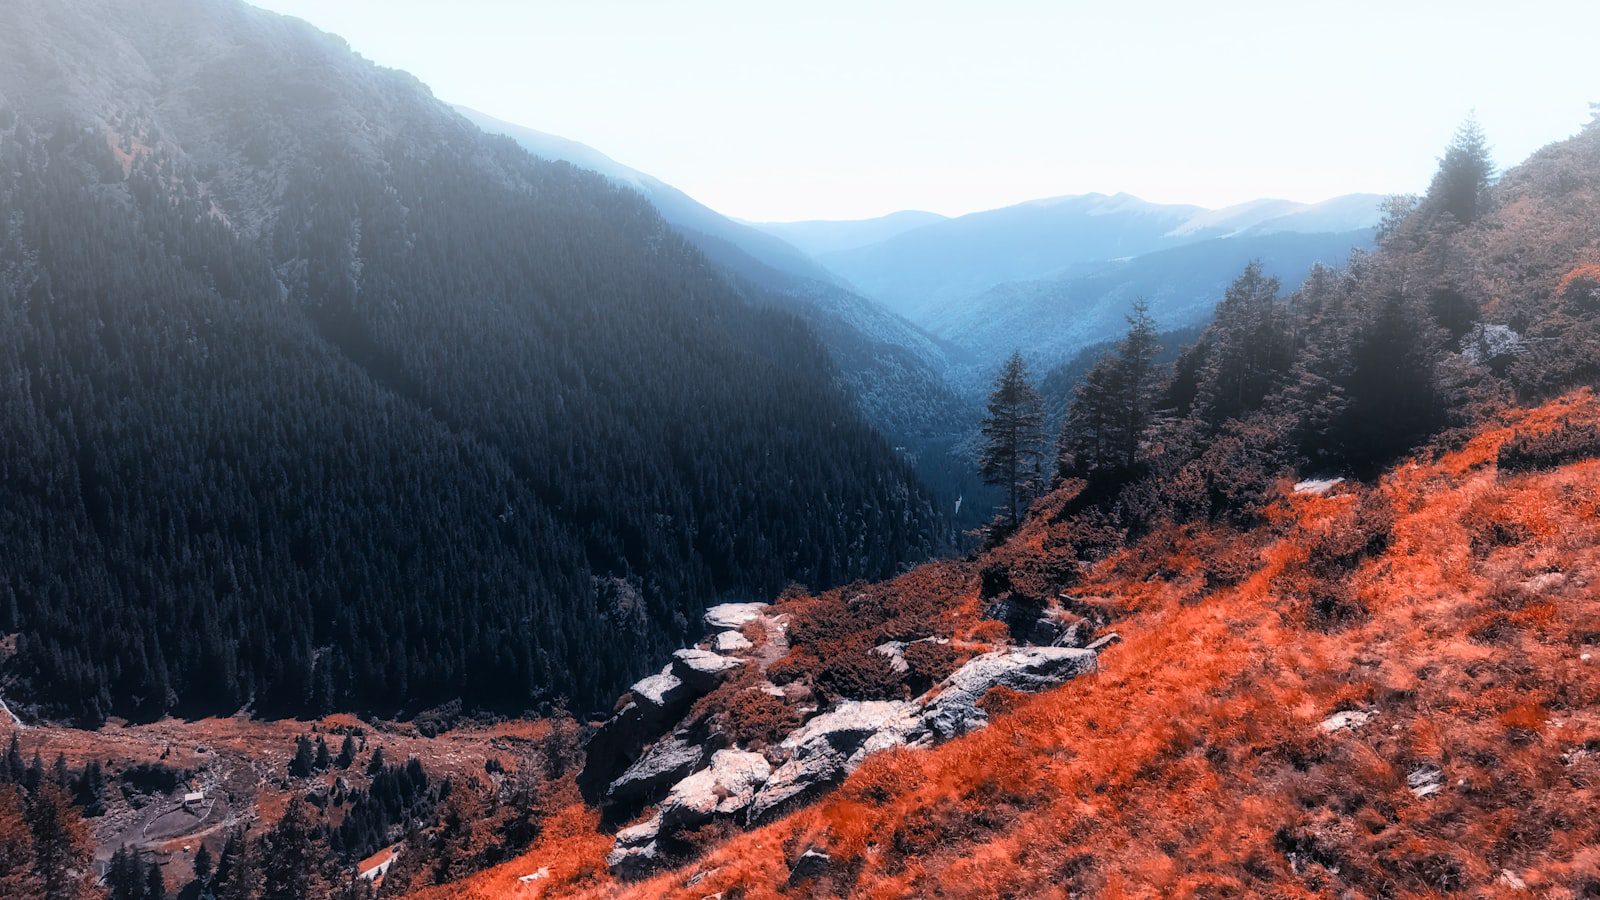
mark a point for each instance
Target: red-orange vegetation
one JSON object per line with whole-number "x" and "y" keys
{"x": 1202, "y": 759}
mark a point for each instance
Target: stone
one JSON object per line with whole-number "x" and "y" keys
{"x": 955, "y": 711}
{"x": 830, "y": 747}
{"x": 734, "y": 615}
{"x": 895, "y": 652}
{"x": 702, "y": 670}
{"x": 812, "y": 864}
{"x": 1317, "y": 487}
{"x": 730, "y": 642}
{"x": 1104, "y": 641}
{"x": 664, "y": 763}
{"x": 724, "y": 788}
{"x": 1425, "y": 780}
{"x": 662, "y": 689}
{"x": 539, "y": 874}
{"x": 636, "y": 853}
{"x": 1350, "y": 718}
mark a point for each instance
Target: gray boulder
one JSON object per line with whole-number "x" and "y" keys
{"x": 662, "y": 690}
{"x": 734, "y": 615}
{"x": 723, "y": 788}
{"x": 955, "y": 710}
{"x": 702, "y": 670}
{"x": 812, "y": 864}
{"x": 636, "y": 853}
{"x": 664, "y": 763}
{"x": 730, "y": 642}
{"x": 830, "y": 747}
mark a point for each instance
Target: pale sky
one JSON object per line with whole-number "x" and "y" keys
{"x": 843, "y": 109}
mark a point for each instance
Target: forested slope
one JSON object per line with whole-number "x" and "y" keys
{"x": 319, "y": 398}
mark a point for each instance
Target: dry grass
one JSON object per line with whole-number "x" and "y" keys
{"x": 1194, "y": 764}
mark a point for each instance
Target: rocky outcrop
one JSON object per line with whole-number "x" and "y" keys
{"x": 829, "y": 747}
{"x": 636, "y": 852}
{"x": 664, "y": 764}
{"x": 697, "y": 786}
{"x": 724, "y": 788}
{"x": 702, "y": 670}
{"x": 734, "y": 615}
{"x": 954, "y": 711}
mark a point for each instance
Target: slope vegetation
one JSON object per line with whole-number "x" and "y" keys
{"x": 1437, "y": 734}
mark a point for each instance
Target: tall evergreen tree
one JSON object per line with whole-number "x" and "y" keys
{"x": 1249, "y": 348}
{"x": 1113, "y": 406}
{"x": 62, "y": 852}
{"x": 1013, "y": 437}
{"x": 1461, "y": 185}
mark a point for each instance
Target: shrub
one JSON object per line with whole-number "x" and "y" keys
{"x": 1547, "y": 449}
{"x": 855, "y": 671}
{"x": 929, "y": 663}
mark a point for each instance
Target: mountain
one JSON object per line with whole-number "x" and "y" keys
{"x": 922, "y": 273}
{"x": 818, "y": 237}
{"x": 320, "y": 398}
{"x": 1051, "y": 319}
{"x": 899, "y": 375}
{"x": 698, "y": 222}
{"x": 1322, "y": 624}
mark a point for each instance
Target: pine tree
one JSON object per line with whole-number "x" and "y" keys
{"x": 289, "y": 859}
{"x": 1114, "y": 405}
{"x": 324, "y": 760}
{"x": 304, "y": 761}
{"x": 89, "y": 790}
{"x": 375, "y": 764}
{"x": 61, "y": 847}
{"x": 1013, "y": 440}
{"x": 1249, "y": 348}
{"x": 202, "y": 864}
{"x": 347, "y": 752}
{"x": 17, "y": 878}
{"x": 1461, "y": 185}
{"x": 155, "y": 886}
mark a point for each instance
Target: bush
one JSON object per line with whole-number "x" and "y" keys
{"x": 1545, "y": 449}
{"x": 854, "y": 671}
{"x": 930, "y": 663}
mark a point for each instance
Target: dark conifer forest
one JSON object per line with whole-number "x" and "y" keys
{"x": 297, "y": 418}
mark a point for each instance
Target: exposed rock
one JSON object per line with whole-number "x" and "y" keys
{"x": 1425, "y": 780}
{"x": 665, "y": 763}
{"x": 1104, "y": 641}
{"x": 955, "y": 710}
{"x": 1317, "y": 487}
{"x": 812, "y": 864}
{"x": 636, "y": 853}
{"x": 539, "y": 874}
{"x": 1352, "y": 719}
{"x": 701, "y": 670}
{"x": 663, "y": 689}
{"x": 734, "y": 615}
{"x": 831, "y": 746}
{"x": 1489, "y": 343}
{"x": 895, "y": 652}
{"x": 1512, "y": 880}
{"x": 730, "y": 642}
{"x": 723, "y": 788}
{"x": 1548, "y": 581}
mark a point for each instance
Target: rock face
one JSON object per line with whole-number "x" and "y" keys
{"x": 636, "y": 853}
{"x": 723, "y": 788}
{"x": 702, "y": 670}
{"x": 666, "y": 762}
{"x": 831, "y": 746}
{"x": 696, "y": 786}
{"x": 955, "y": 710}
{"x": 734, "y": 615}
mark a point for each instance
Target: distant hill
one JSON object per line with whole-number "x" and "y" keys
{"x": 1051, "y": 319}
{"x": 823, "y": 236}
{"x": 921, "y": 273}
{"x": 899, "y": 375}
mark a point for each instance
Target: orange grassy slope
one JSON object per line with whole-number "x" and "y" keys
{"x": 1456, "y": 603}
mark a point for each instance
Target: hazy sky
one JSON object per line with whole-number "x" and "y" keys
{"x": 854, "y": 108}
